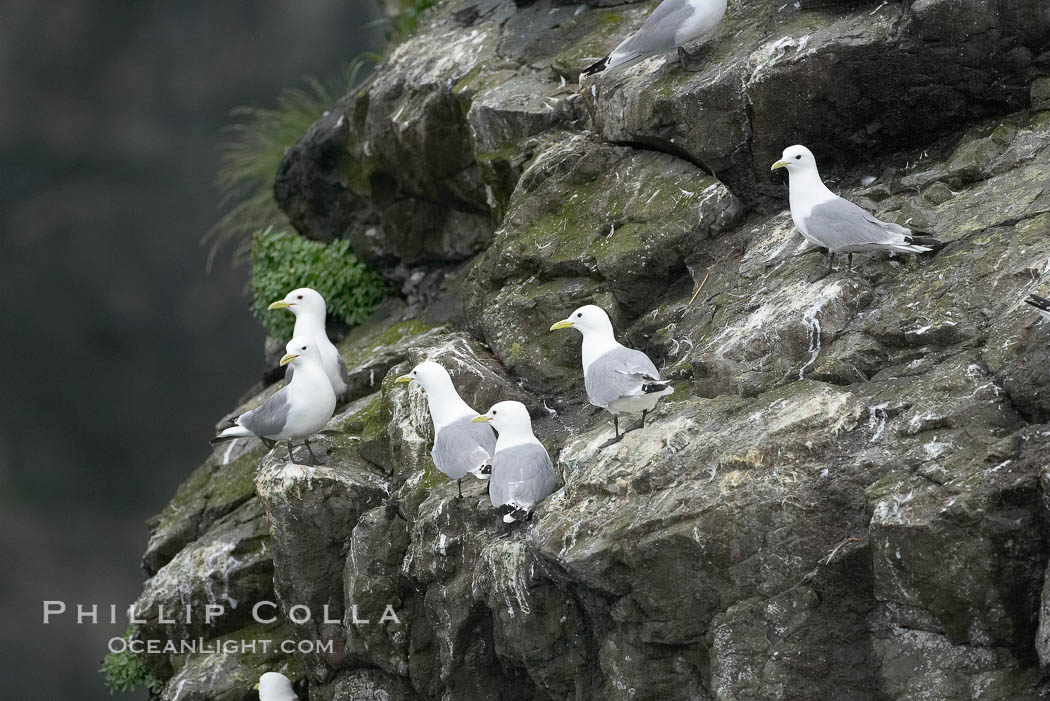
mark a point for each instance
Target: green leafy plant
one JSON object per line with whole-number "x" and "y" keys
{"x": 124, "y": 671}
{"x": 256, "y": 141}
{"x": 403, "y": 23}
{"x": 283, "y": 261}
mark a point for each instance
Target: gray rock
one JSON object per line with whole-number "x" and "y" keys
{"x": 827, "y": 70}
{"x": 228, "y": 566}
{"x": 845, "y": 497}
{"x": 312, "y": 512}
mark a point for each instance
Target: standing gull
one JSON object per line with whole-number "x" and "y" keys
{"x": 618, "y": 379}
{"x": 672, "y": 24}
{"x": 461, "y": 447}
{"x": 274, "y": 686}
{"x": 838, "y": 225}
{"x": 296, "y": 411}
{"x": 522, "y": 472}
{"x": 310, "y": 310}
{"x": 1040, "y": 303}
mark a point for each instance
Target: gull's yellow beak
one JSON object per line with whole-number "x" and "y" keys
{"x": 288, "y": 357}
{"x": 779, "y": 164}
{"x": 563, "y": 324}
{"x": 480, "y": 419}
{"x": 404, "y": 379}
{"x": 279, "y": 304}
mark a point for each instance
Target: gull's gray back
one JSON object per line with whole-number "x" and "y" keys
{"x": 841, "y": 225}
{"x": 523, "y": 474}
{"x": 269, "y": 418}
{"x": 462, "y": 447}
{"x": 658, "y": 32}
{"x": 619, "y": 373}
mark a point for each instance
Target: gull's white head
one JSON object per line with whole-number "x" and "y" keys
{"x": 302, "y": 302}
{"x": 507, "y": 417}
{"x": 301, "y": 349}
{"x": 587, "y": 319}
{"x": 797, "y": 159}
{"x": 429, "y": 375}
{"x": 274, "y": 686}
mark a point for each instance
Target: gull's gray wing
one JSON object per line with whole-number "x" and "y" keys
{"x": 288, "y": 372}
{"x": 463, "y": 447}
{"x": 841, "y": 225}
{"x": 270, "y": 417}
{"x": 656, "y": 34}
{"x": 523, "y": 475}
{"x": 619, "y": 373}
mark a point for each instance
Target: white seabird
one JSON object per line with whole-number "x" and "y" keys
{"x": 836, "y": 224}
{"x": 618, "y": 379}
{"x": 274, "y": 686}
{"x": 461, "y": 447}
{"x": 522, "y": 472}
{"x": 296, "y": 411}
{"x": 310, "y": 310}
{"x": 1040, "y": 303}
{"x": 673, "y": 24}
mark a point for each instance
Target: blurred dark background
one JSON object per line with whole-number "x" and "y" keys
{"x": 119, "y": 351}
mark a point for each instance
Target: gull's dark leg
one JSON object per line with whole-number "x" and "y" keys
{"x": 849, "y": 266}
{"x": 290, "y": 458}
{"x": 616, "y": 429}
{"x": 688, "y": 60}
{"x": 644, "y": 412}
{"x": 831, "y": 259}
{"x": 268, "y": 443}
{"x": 311, "y": 452}
{"x": 459, "y": 486}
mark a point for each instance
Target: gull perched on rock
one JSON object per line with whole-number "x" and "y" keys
{"x": 673, "y": 24}
{"x": 838, "y": 225}
{"x": 522, "y": 472}
{"x": 274, "y": 686}
{"x": 1040, "y": 303}
{"x": 461, "y": 447}
{"x": 296, "y": 411}
{"x": 618, "y": 379}
{"x": 310, "y": 310}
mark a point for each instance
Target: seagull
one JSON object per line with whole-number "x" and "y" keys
{"x": 460, "y": 446}
{"x": 522, "y": 472}
{"x": 836, "y": 224}
{"x": 672, "y": 24}
{"x": 1040, "y": 303}
{"x": 309, "y": 309}
{"x": 296, "y": 411}
{"x": 618, "y": 379}
{"x": 274, "y": 686}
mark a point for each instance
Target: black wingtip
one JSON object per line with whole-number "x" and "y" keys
{"x": 925, "y": 240}
{"x": 596, "y": 67}
{"x": 653, "y": 387}
{"x": 1041, "y": 303}
{"x": 223, "y": 439}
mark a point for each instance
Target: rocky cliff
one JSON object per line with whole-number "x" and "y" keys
{"x": 846, "y": 496}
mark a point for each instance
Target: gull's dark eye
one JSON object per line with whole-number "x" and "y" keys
{"x": 300, "y": 296}
{"x": 797, "y": 158}
{"x": 580, "y": 315}
{"x": 304, "y": 347}
{"x": 494, "y": 413}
